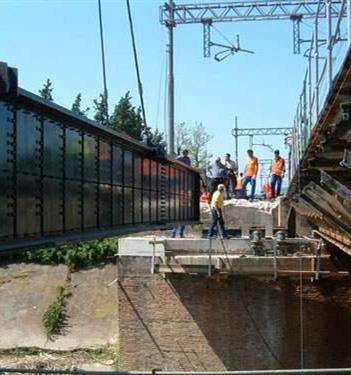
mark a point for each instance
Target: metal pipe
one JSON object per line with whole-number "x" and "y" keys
{"x": 275, "y": 264}
{"x": 316, "y": 62}
{"x": 209, "y": 270}
{"x": 349, "y": 21}
{"x": 310, "y": 90}
{"x": 329, "y": 43}
{"x": 236, "y": 143}
{"x": 170, "y": 26}
{"x": 155, "y": 372}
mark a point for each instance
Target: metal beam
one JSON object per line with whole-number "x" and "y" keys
{"x": 346, "y": 161}
{"x": 261, "y": 131}
{"x": 247, "y": 11}
{"x": 332, "y": 184}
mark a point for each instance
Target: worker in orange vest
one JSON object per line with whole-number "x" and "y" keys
{"x": 251, "y": 169}
{"x": 277, "y": 173}
{"x": 239, "y": 186}
{"x": 266, "y": 188}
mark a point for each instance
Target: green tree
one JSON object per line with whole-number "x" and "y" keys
{"x": 157, "y": 139}
{"x": 126, "y": 118}
{"x": 197, "y": 146}
{"x": 100, "y": 111}
{"x": 182, "y": 137}
{"x": 77, "y": 106}
{"x": 46, "y": 91}
{"x": 194, "y": 139}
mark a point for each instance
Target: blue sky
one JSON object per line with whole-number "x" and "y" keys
{"x": 59, "y": 39}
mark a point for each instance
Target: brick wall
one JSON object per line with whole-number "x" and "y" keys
{"x": 189, "y": 322}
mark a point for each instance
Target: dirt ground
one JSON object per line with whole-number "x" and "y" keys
{"x": 103, "y": 359}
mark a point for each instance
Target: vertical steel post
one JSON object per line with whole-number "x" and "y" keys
{"x": 170, "y": 26}
{"x": 316, "y": 62}
{"x": 329, "y": 43}
{"x": 349, "y": 21}
{"x": 310, "y": 89}
{"x": 250, "y": 141}
{"x": 304, "y": 106}
{"x": 209, "y": 266}
{"x": 207, "y": 37}
{"x": 236, "y": 143}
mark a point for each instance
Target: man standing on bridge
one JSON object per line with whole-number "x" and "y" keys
{"x": 231, "y": 174}
{"x": 217, "y": 203}
{"x": 218, "y": 174}
{"x": 185, "y": 158}
{"x": 251, "y": 169}
{"x": 277, "y": 173}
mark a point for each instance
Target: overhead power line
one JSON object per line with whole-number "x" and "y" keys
{"x": 140, "y": 86}
{"x": 103, "y": 59}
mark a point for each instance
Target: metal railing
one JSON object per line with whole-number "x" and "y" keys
{"x": 159, "y": 372}
{"x": 323, "y": 63}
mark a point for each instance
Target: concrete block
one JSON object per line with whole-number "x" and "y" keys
{"x": 234, "y": 245}
{"x": 140, "y": 246}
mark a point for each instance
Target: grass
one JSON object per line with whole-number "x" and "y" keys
{"x": 15, "y": 275}
{"x": 105, "y": 355}
{"x": 55, "y": 315}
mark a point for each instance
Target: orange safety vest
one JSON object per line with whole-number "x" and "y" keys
{"x": 267, "y": 190}
{"x": 239, "y": 183}
{"x": 251, "y": 166}
{"x": 277, "y": 166}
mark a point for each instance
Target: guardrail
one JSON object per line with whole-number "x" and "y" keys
{"x": 157, "y": 372}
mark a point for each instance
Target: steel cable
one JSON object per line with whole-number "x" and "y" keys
{"x": 103, "y": 59}
{"x": 136, "y": 63}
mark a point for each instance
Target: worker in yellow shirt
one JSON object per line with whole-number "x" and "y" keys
{"x": 251, "y": 169}
{"x": 217, "y": 203}
{"x": 277, "y": 173}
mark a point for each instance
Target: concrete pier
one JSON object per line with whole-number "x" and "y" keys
{"x": 238, "y": 319}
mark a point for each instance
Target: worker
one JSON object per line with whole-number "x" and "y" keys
{"x": 231, "y": 170}
{"x": 218, "y": 173}
{"x": 277, "y": 173}
{"x": 185, "y": 158}
{"x": 181, "y": 231}
{"x": 266, "y": 188}
{"x": 217, "y": 203}
{"x": 239, "y": 186}
{"x": 251, "y": 169}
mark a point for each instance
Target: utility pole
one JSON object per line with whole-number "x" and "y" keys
{"x": 236, "y": 142}
{"x": 170, "y": 78}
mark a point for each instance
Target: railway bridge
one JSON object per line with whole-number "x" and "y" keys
{"x": 320, "y": 188}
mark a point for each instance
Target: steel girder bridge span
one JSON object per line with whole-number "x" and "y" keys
{"x": 65, "y": 178}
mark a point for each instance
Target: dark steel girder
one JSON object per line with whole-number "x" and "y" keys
{"x": 336, "y": 187}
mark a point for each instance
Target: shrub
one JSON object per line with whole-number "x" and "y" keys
{"x": 83, "y": 254}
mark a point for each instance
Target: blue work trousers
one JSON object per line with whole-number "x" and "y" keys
{"x": 181, "y": 231}
{"x": 217, "y": 219}
{"x": 276, "y": 185}
{"x": 252, "y": 181}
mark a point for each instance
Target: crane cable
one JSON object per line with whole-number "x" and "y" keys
{"x": 140, "y": 87}
{"x": 103, "y": 59}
